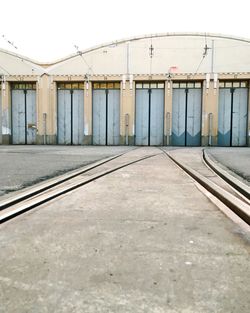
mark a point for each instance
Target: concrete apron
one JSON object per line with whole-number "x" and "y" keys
{"x": 143, "y": 239}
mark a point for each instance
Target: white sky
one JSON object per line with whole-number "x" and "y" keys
{"x": 46, "y": 30}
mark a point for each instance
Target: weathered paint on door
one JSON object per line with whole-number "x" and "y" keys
{"x": 186, "y": 117}
{"x": 64, "y": 117}
{"x": 31, "y": 116}
{"x": 24, "y": 116}
{"x": 18, "y": 117}
{"x": 179, "y": 117}
{"x": 106, "y": 117}
{"x": 113, "y": 120}
{"x": 224, "y": 118}
{"x": 193, "y": 130}
{"x": 70, "y": 119}
{"x": 149, "y": 123}
{"x": 157, "y": 117}
{"x": 78, "y": 117}
{"x": 232, "y": 119}
{"x": 141, "y": 117}
{"x": 99, "y": 117}
{"x": 239, "y": 116}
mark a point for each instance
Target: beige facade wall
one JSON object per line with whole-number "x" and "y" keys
{"x": 6, "y": 114}
{"x": 46, "y": 106}
{"x": 113, "y": 62}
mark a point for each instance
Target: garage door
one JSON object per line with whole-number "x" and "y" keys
{"x": 70, "y": 113}
{"x": 232, "y": 120}
{"x": 186, "y": 114}
{"x": 106, "y": 113}
{"x": 149, "y": 114}
{"x": 23, "y": 100}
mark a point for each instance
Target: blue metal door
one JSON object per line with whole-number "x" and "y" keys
{"x": 64, "y": 117}
{"x": 18, "y": 117}
{"x": 31, "y": 116}
{"x": 149, "y": 115}
{"x": 179, "y": 117}
{"x": 239, "y": 117}
{"x": 113, "y": 117}
{"x": 232, "y": 120}
{"x": 186, "y": 117}
{"x": 157, "y": 117}
{"x": 106, "y": 116}
{"x": 99, "y": 117}
{"x": 142, "y": 117}
{"x": 77, "y": 117}
{"x": 224, "y": 118}
{"x": 70, "y": 117}
{"x": 193, "y": 125}
{"x": 23, "y": 116}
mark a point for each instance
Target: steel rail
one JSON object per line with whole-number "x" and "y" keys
{"x": 240, "y": 187}
{"x": 28, "y": 204}
{"x": 239, "y": 207}
{"x": 26, "y": 194}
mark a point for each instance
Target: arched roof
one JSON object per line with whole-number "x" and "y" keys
{"x": 183, "y": 50}
{"x": 15, "y": 64}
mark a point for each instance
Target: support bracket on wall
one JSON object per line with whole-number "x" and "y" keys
{"x": 207, "y": 80}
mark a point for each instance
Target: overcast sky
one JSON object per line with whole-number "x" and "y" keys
{"x": 46, "y": 30}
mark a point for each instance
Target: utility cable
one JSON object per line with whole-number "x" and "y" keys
{"x": 151, "y": 54}
{"x": 80, "y": 53}
{"x": 203, "y": 57}
{"x": 206, "y": 48}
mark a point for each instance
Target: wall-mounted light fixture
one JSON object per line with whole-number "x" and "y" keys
{"x": 215, "y": 80}
{"x": 131, "y": 81}
{"x": 207, "y": 80}
{"x": 124, "y": 82}
{"x": 86, "y": 78}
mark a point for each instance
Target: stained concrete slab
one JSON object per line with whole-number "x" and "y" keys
{"x": 23, "y": 166}
{"x": 193, "y": 158}
{"x": 142, "y": 239}
{"x": 235, "y": 160}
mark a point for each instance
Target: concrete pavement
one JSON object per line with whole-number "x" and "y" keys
{"x": 235, "y": 160}
{"x": 143, "y": 239}
{"x": 23, "y": 166}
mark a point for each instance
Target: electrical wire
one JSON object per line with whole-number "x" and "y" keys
{"x": 80, "y": 53}
{"x": 206, "y": 48}
{"x": 17, "y": 56}
{"x": 151, "y": 54}
{"x": 203, "y": 57}
{"x": 9, "y": 42}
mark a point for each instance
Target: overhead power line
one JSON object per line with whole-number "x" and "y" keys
{"x": 80, "y": 53}
{"x": 9, "y": 42}
{"x": 205, "y": 53}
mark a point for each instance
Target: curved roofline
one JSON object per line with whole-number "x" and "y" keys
{"x": 21, "y": 57}
{"x": 156, "y": 35}
{"x": 42, "y": 65}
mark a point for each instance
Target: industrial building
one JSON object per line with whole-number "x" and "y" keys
{"x": 179, "y": 89}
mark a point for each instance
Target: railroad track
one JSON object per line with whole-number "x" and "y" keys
{"x": 236, "y": 199}
{"x": 28, "y": 200}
